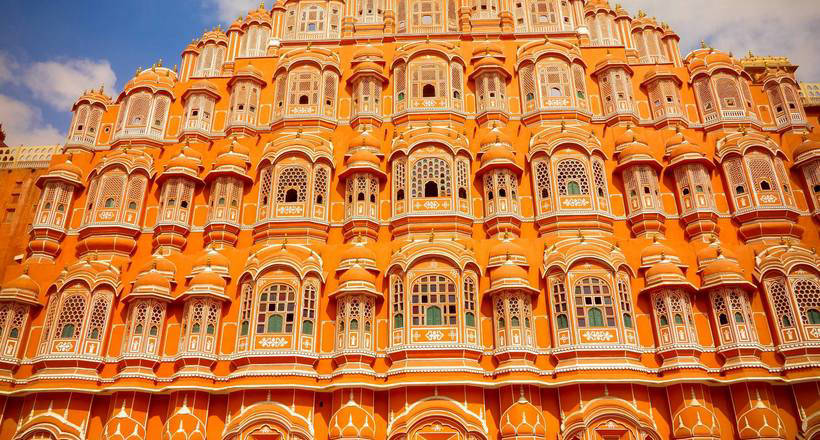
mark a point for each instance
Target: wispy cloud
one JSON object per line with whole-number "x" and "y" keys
{"x": 41, "y": 85}
{"x": 228, "y": 10}
{"x": 24, "y": 124}
{"x": 766, "y": 27}
{"x": 59, "y": 83}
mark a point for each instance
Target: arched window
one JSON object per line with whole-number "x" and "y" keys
{"x": 70, "y": 318}
{"x": 469, "y": 302}
{"x": 308, "y": 309}
{"x": 292, "y": 185}
{"x": 569, "y": 172}
{"x": 430, "y": 189}
{"x": 304, "y": 86}
{"x": 807, "y": 295}
{"x": 428, "y": 91}
{"x": 431, "y": 176}
{"x": 398, "y": 303}
{"x": 433, "y": 301}
{"x": 593, "y": 303}
{"x": 277, "y": 310}
{"x": 428, "y": 79}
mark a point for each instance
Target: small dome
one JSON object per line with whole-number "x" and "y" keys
{"x": 493, "y": 136}
{"x": 508, "y": 271}
{"x": 722, "y": 266}
{"x": 368, "y": 53}
{"x": 664, "y": 269}
{"x": 249, "y": 70}
{"x": 363, "y": 157}
{"x": 351, "y": 421}
{"x": 358, "y": 251}
{"x": 24, "y": 283}
{"x": 498, "y": 153}
{"x": 488, "y": 50}
{"x": 155, "y": 78}
{"x": 153, "y": 280}
{"x": 507, "y": 248}
{"x": 160, "y": 264}
{"x": 488, "y": 62}
{"x": 522, "y": 419}
{"x": 357, "y": 273}
{"x": 68, "y": 167}
{"x": 94, "y": 97}
{"x": 628, "y": 137}
{"x": 368, "y": 66}
{"x": 712, "y": 252}
{"x": 212, "y": 258}
{"x": 209, "y": 278}
{"x": 809, "y": 147}
{"x": 365, "y": 139}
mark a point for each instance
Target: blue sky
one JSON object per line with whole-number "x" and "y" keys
{"x": 50, "y": 51}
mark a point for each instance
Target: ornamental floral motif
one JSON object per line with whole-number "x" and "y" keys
{"x": 63, "y": 347}
{"x": 575, "y": 202}
{"x": 434, "y": 335}
{"x": 768, "y": 198}
{"x": 598, "y": 335}
{"x": 273, "y": 342}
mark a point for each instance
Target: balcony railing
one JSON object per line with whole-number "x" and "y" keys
{"x": 139, "y": 132}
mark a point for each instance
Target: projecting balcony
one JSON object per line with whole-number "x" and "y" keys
{"x": 81, "y": 140}
{"x": 151, "y": 135}
{"x": 787, "y": 120}
{"x": 199, "y": 129}
{"x": 242, "y": 123}
{"x": 410, "y": 109}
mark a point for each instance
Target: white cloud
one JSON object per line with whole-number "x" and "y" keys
{"x": 24, "y": 124}
{"x": 7, "y": 68}
{"x": 766, "y": 27}
{"x": 59, "y": 83}
{"x": 228, "y": 10}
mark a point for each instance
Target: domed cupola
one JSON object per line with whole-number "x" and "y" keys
{"x": 88, "y": 112}
{"x": 356, "y": 298}
{"x": 362, "y": 177}
{"x": 368, "y": 82}
{"x": 614, "y": 76}
{"x": 522, "y": 420}
{"x": 691, "y": 169}
{"x": 202, "y": 311}
{"x": 178, "y": 183}
{"x": 512, "y": 297}
{"x": 21, "y": 289}
{"x": 227, "y": 180}
{"x": 351, "y": 422}
{"x": 245, "y": 87}
{"x": 49, "y": 226}
{"x": 490, "y": 76}
{"x": 719, "y": 267}
{"x": 728, "y": 290}
{"x": 499, "y": 173}
{"x": 152, "y": 283}
{"x": 722, "y": 89}
{"x": 144, "y": 105}
{"x": 639, "y": 170}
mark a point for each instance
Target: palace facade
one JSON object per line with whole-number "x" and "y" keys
{"x": 425, "y": 220}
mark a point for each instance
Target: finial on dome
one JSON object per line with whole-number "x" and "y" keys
{"x": 521, "y": 397}
{"x": 432, "y": 236}
{"x": 285, "y": 242}
{"x": 702, "y": 44}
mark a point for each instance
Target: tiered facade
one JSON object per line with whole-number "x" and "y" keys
{"x": 426, "y": 219}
